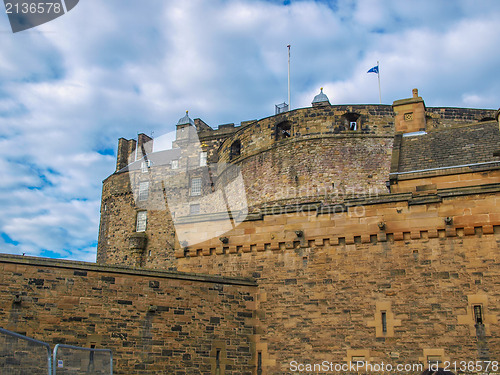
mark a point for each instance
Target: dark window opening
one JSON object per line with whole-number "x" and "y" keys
{"x": 384, "y": 321}
{"x": 352, "y": 121}
{"x": 484, "y": 119}
{"x": 259, "y": 363}
{"x": 235, "y": 150}
{"x": 283, "y": 130}
{"x": 217, "y": 362}
{"x": 478, "y": 314}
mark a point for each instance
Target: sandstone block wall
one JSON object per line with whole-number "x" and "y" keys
{"x": 321, "y": 294}
{"x": 155, "y": 322}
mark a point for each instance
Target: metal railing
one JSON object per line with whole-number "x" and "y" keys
{"x": 20, "y": 354}
{"x": 69, "y": 359}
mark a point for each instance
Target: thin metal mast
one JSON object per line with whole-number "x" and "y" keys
{"x": 289, "y": 103}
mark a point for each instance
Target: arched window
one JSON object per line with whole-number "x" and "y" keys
{"x": 283, "y": 130}
{"x": 352, "y": 121}
{"x": 235, "y": 149}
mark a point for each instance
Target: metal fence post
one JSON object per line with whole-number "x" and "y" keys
{"x": 37, "y": 342}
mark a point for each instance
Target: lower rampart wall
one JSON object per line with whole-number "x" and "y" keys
{"x": 155, "y": 322}
{"x": 325, "y": 281}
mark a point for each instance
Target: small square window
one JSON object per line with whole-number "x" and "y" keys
{"x": 141, "y": 221}
{"x": 203, "y": 159}
{"x": 143, "y": 191}
{"x": 194, "y": 209}
{"x": 175, "y": 164}
{"x": 196, "y": 186}
{"x": 409, "y": 116}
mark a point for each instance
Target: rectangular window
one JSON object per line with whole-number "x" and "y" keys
{"x": 196, "y": 186}
{"x": 194, "y": 209}
{"x": 384, "y": 321}
{"x": 478, "y": 314}
{"x": 143, "y": 191}
{"x": 141, "y": 221}
{"x": 217, "y": 360}
{"x": 175, "y": 164}
{"x": 203, "y": 159}
{"x": 145, "y": 165}
{"x": 353, "y": 125}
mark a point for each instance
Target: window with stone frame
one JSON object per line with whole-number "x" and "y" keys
{"x": 141, "y": 221}
{"x": 283, "y": 130}
{"x": 352, "y": 121}
{"x": 203, "y": 159}
{"x": 195, "y": 186}
{"x": 478, "y": 313}
{"x": 235, "y": 150}
{"x": 194, "y": 209}
{"x": 145, "y": 165}
{"x": 143, "y": 190}
{"x": 384, "y": 321}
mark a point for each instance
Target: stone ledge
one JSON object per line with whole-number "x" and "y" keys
{"x": 445, "y": 171}
{"x": 87, "y": 266}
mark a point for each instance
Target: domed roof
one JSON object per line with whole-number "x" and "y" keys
{"x": 185, "y": 120}
{"x": 320, "y": 98}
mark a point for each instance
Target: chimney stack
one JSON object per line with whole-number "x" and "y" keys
{"x": 410, "y": 114}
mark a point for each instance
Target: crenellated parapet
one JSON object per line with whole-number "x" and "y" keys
{"x": 443, "y": 213}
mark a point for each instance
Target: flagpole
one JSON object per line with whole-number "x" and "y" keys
{"x": 289, "y": 104}
{"x": 378, "y": 75}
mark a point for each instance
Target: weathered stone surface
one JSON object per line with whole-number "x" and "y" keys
{"x": 82, "y": 304}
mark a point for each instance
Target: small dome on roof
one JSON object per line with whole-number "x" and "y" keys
{"x": 320, "y": 99}
{"x": 185, "y": 120}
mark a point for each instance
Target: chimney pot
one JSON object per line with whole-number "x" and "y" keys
{"x": 415, "y": 93}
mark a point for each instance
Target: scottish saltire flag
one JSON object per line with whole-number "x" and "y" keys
{"x": 373, "y": 70}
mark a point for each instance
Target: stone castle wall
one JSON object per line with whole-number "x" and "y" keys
{"x": 155, "y": 322}
{"x": 322, "y": 291}
{"x": 321, "y": 161}
{"x": 330, "y": 248}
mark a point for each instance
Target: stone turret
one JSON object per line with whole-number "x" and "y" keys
{"x": 320, "y": 100}
{"x": 410, "y": 114}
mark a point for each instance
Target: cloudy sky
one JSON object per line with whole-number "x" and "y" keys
{"x": 108, "y": 69}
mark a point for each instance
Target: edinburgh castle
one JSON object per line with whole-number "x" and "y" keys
{"x": 329, "y": 234}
